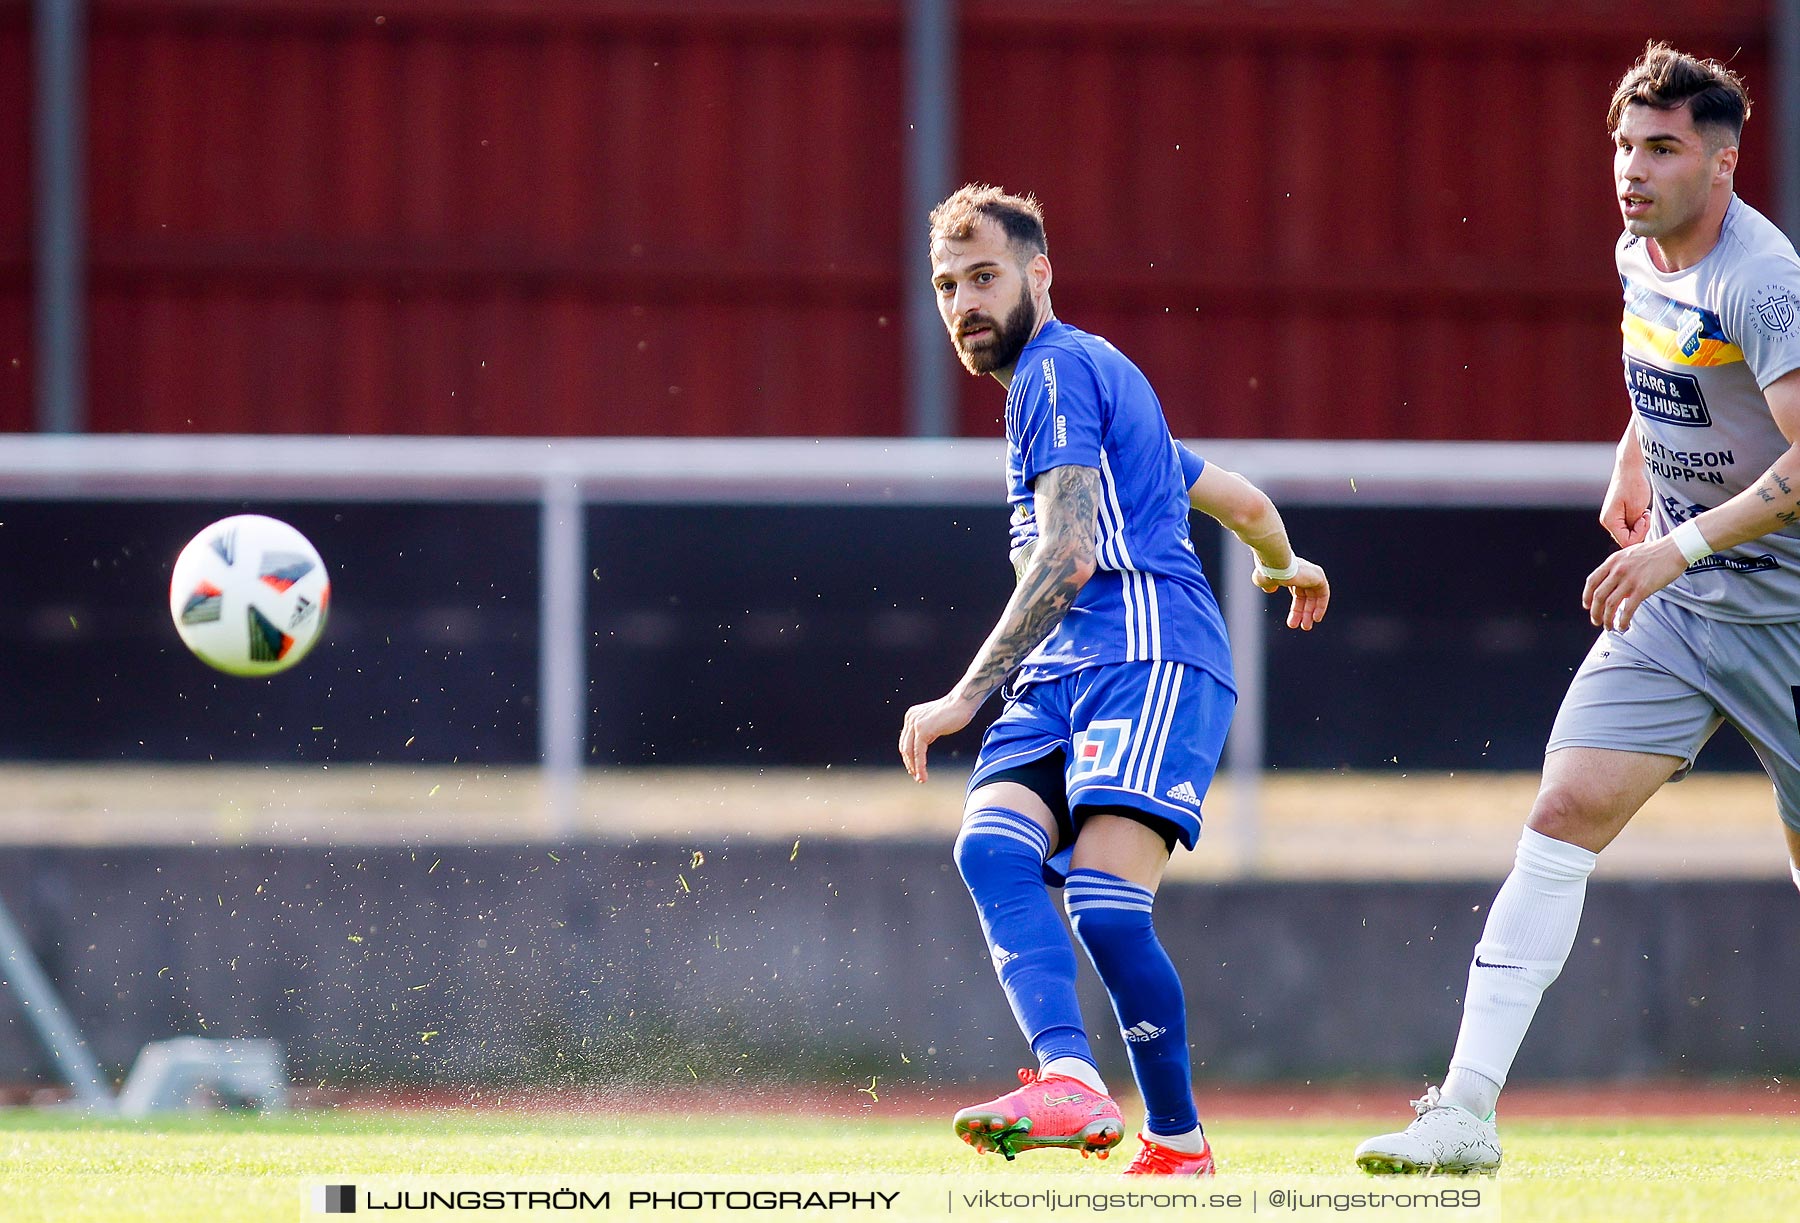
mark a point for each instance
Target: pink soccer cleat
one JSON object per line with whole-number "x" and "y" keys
{"x": 1045, "y": 1112}
{"x": 1157, "y": 1160}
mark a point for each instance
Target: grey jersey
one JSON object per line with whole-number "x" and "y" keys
{"x": 1700, "y": 346}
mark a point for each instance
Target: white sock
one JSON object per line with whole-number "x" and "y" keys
{"x": 1529, "y": 932}
{"x": 1794, "y": 870}
{"x": 1082, "y": 1072}
{"x": 1475, "y": 1092}
{"x": 1191, "y": 1143}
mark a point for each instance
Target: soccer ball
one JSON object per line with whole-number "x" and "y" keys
{"x": 249, "y": 595}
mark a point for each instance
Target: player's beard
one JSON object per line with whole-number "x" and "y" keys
{"x": 1006, "y": 338}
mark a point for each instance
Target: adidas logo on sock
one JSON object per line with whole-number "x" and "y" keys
{"x": 1003, "y": 957}
{"x": 1184, "y": 792}
{"x": 1141, "y": 1031}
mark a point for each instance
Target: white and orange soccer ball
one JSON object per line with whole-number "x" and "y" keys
{"x": 249, "y": 595}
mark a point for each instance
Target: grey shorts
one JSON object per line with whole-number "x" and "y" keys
{"x": 1666, "y": 683}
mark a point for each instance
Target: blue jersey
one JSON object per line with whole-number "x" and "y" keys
{"x": 1077, "y": 400}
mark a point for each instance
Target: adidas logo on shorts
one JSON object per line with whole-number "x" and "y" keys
{"x": 1184, "y": 792}
{"x": 1141, "y": 1031}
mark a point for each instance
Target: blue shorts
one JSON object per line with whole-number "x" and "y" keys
{"x": 1142, "y": 736}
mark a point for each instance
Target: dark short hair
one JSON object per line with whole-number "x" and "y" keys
{"x": 1020, "y": 216}
{"x": 1666, "y": 79}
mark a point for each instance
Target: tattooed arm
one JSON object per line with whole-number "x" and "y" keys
{"x": 1051, "y": 573}
{"x": 1625, "y": 579}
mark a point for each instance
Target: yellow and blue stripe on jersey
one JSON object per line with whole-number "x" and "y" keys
{"x": 1674, "y": 331}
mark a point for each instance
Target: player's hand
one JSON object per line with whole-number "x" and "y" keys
{"x": 929, "y": 722}
{"x": 1625, "y": 511}
{"x": 1616, "y": 590}
{"x": 1311, "y": 589}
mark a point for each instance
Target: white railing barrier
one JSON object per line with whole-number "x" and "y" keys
{"x": 563, "y": 475}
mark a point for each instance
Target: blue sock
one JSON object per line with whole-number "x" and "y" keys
{"x": 1001, "y": 856}
{"x": 1112, "y": 920}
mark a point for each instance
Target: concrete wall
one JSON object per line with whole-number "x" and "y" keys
{"x": 633, "y": 963}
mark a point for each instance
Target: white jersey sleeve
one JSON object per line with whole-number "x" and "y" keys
{"x": 1760, "y": 303}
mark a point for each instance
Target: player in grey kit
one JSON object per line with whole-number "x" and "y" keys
{"x": 1700, "y": 607}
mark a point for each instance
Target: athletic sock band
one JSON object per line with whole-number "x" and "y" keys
{"x": 1692, "y": 543}
{"x": 1078, "y": 1068}
{"x": 1190, "y": 1143}
{"x": 1005, "y": 822}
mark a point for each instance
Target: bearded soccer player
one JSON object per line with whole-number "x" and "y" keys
{"x": 1120, "y": 698}
{"x": 1699, "y": 610}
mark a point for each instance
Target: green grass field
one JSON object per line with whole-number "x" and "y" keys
{"x": 59, "y": 1167}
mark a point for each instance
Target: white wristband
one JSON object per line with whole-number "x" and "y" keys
{"x": 1692, "y": 543}
{"x": 1279, "y": 575}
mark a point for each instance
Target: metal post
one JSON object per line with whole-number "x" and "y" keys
{"x": 1786, "y": 70}
{"x": 1243, "y": 610}
{"x": 562, "y": 651}
{"x": 930, "y": 170}
{"x": 44, "y": 1008}
{"x": 58, "y": 51}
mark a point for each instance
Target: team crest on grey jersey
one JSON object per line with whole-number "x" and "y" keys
{"x": 1689, "y": 333}
{"x": 1775, "y": 310}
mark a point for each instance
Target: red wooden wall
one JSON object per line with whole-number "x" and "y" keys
{"x": 1390, "y": 219}
{"x": 1380, "y": 220}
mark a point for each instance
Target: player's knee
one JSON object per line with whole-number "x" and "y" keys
{"x": 975, "y": 856}
{"x": 995, "y": 842}
{"x": 1107, "y": 911}
{"x": 1568, "y": 813}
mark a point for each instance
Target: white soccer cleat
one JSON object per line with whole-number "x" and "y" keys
{"x": 1442, "y": 1139}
